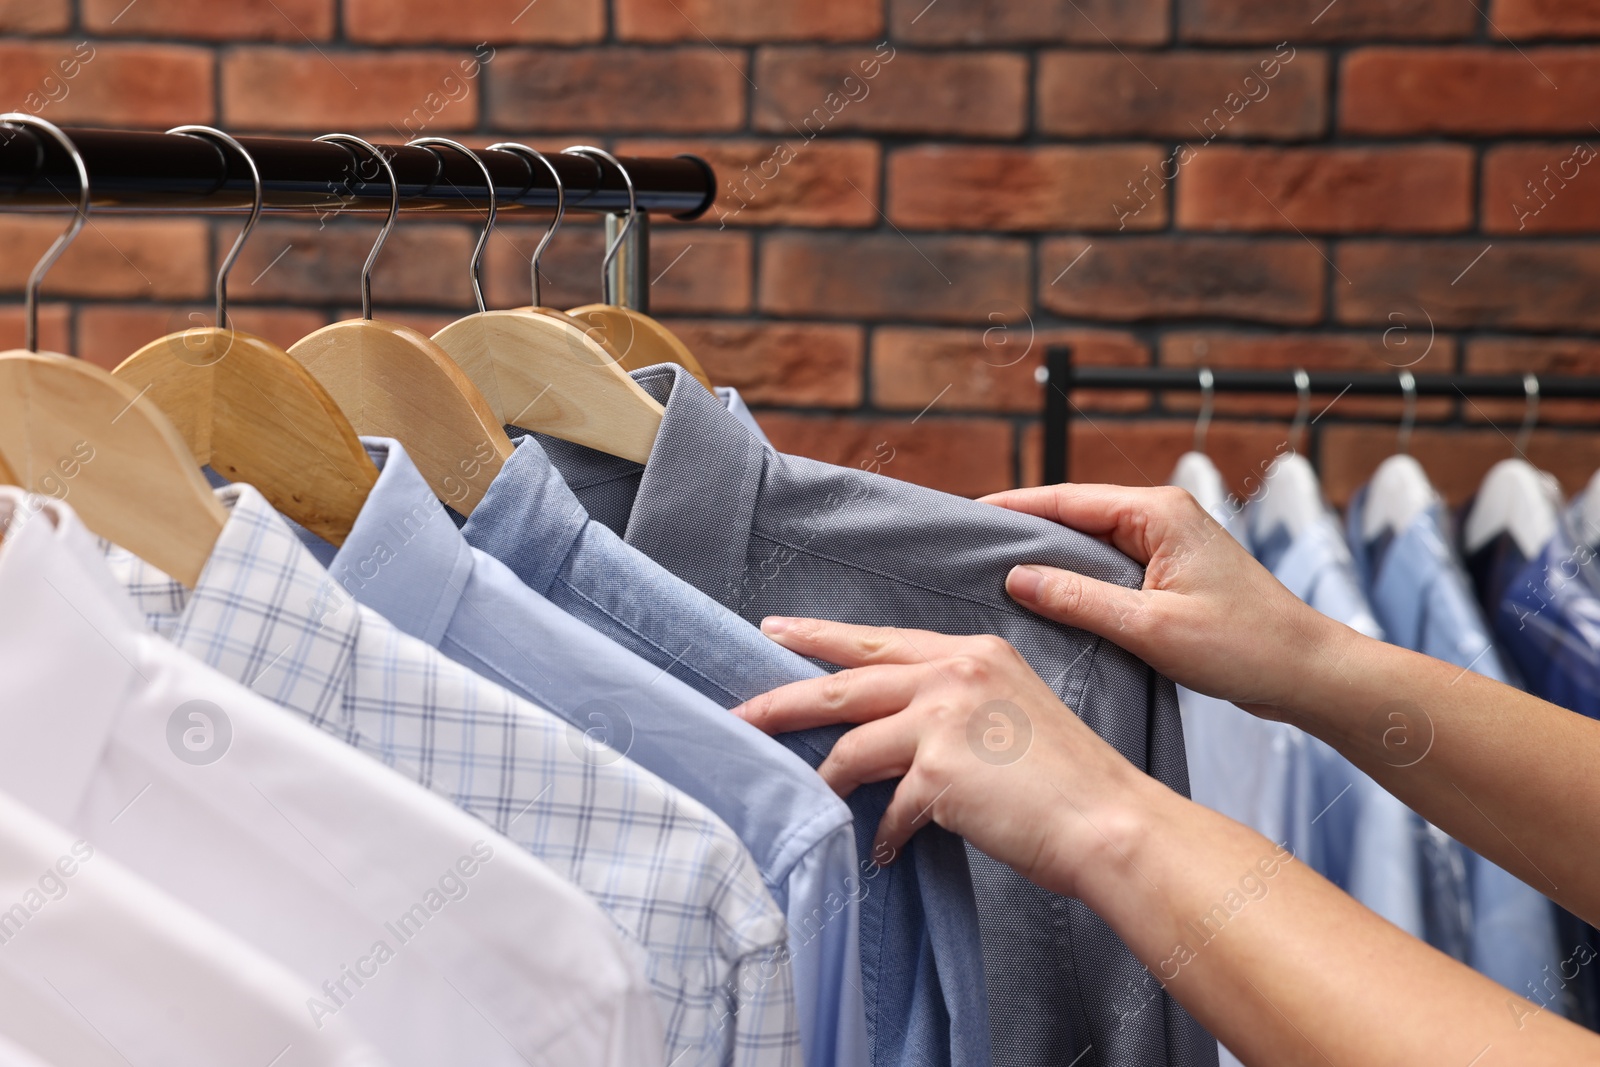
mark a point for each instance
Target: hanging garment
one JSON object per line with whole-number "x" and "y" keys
{"x": 740, "y": 410}
{"x": 764, "y": 533}
{"x": 407, "y": 561}
{"x": 97, "y": 966}
{"x": 672, "y": 877}
{"x": 921, "y": 959}
{"x": 434, "y": 936}
{"x": 1338, "y": 820}
{"x": 1420, "y": 595}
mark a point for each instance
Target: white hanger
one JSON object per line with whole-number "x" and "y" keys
{"x": 1591, "y": 512}
{"x": 1399, "y": 490}
{"x": 1516, "y": 497}
{"x": 1291, "y": 493}
{"x": 1195, "y": 472}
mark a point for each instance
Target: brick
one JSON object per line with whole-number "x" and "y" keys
{"x": 1130, "y": 278}
{"x": 1401, "y": 347}
{"x": 747, "y": 21}
{"x": 1476, "y": 91}
{"x": 422, "y": 263}
{"x": 1456, "y": 460}
{"x": 696, "y": 272}
{"x": 406, "y": 93}
{"x": 145, "y": 259}
{"x": 1524, "y": 19}
{"x": 1415, "y": 189}
{"x": 1546, "y": 286}
{"x": 55, "y": 331}
{"x": 480, "y": 22}
{"x": 1143, "y": 452}
{"x": 792, "y": 364}
{"x": 968, "y": 457}
{"x": 110, "y": 333}
{"x": 809, "y": 92}
{"x": 1541, "y": 188}
{"x": 677, "y": 90}
{"x": 948, "y": 187}
{"x": 1090, "y": 22}
{"x": 143, "y": 85}
{"x": 238, "y": 20}
{"x": 783, "y": 182}
{"x": 34, "y": 16}
{"x": 1544, "y": 356}
{"x": 885, "y": 275}
{"x": 992, "y": 369}
{"x": 569, "y": 273}
{"x": 1198, "y": 96}
{"x": 1271, "y": 21}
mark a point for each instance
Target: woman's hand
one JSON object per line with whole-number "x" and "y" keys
{"x": 982, "y": 745}
{"x": 1209, "y": 616}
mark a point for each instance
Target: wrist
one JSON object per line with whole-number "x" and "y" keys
{"x": 1102, "y": 844}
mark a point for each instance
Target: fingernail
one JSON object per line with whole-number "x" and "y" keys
{"x": 1024, "y": 583}
{"x": 773, "y": 625}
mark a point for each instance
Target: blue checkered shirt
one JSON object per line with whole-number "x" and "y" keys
{"x": 672, "y": 876}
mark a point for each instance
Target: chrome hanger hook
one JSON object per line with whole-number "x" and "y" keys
{"x": 1408, "y": 386}
{"x": 488, "y": 227}
{"x": 1202, "y": 423}
{"x": 388, "y": 223}
{"x": 208, "y": 132}
{"x": 633, "y": 212}
{"x": 561, "y": 203}
{"x": 1302, "y": 411}
{"x": 80, "y": 216}
{"x": 1530, "y": 413}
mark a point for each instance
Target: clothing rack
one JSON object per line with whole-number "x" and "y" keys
{"x": 157, "y": 173}
{"x": 1062, "y": 376}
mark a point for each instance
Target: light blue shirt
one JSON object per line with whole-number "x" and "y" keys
{"x": 405, "y": 559}
{"x": 1503, "y": 927}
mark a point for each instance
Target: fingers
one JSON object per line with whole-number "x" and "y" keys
{"x": 1129, "y": 518}
{"x": 914, "y": 806}
{"x": 855, "y": 646}
{"x": 1102, "y": 608}
{"x": 872, "y": 753}
{"x": 859, "y": 695}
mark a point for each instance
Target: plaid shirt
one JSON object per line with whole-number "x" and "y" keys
{"x": 671, "y": 875}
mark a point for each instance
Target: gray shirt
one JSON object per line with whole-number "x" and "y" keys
{"x": 766, "y": 533}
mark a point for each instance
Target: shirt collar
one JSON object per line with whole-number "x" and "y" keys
{"x": 700, "y": 486}
{"x": 70, "y": 653}
{"x": 404, "y": 558}
{"x": 528, "y": 518}
{"x": 1403, "y": 578}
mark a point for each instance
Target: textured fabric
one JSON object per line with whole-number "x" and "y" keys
{"x": 672, "y": 877}
{"x": 438, "y": 939}
{"x": 1501, "y": 926}
{"x": 918, "y": 922}
{"x": 1547, "y": 617}
{"x": 736, "y": 406}
{"x": 765, "y": 533}
{"x": 404, "y": 559}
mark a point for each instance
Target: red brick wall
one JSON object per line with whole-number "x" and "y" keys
{"x": 918, "y": 196}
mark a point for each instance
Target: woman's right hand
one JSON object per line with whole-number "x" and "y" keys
{"x": 1209, "y": 616}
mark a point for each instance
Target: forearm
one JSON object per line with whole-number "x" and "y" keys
{"x": 1510, "y": 776}
{"x": 1283, "y": 967}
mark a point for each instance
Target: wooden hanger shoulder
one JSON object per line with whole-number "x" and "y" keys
{"x": 70, "y": 429}
{"x": 391, "y": 381}
{"x": 548, "y": 375}
{"x": 639, "y": 340}
{"x": 252, "y": 413}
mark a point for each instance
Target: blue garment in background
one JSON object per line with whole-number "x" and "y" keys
{"x": 1420, "y": 594}
{"x": 922, "y": 960}
{"x": 404, "y": 559}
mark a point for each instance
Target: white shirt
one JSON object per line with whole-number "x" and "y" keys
{"x": 97, "y": 966}
{"x": 440, "y": 940}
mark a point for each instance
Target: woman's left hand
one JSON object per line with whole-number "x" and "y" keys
{"x": 984, "y": 748}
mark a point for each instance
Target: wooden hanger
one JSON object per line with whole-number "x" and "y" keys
{"x": 252, "y": 413}
{"x": 392, "y": 381}
{"x": 544, "y": 374}
{"x": 634, "y": 338}
{"x": 70, "y": 430}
